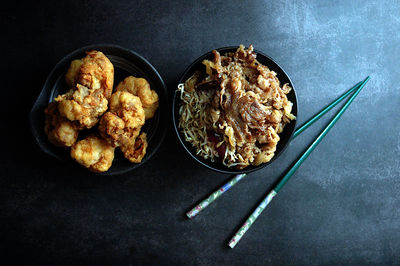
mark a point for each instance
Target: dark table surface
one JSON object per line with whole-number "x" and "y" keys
{"x": 342, "y": 205}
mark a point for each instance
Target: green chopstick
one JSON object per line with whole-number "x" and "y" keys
{"x": 216, "y": 194}
{"x": 324, "y": 111}
{"x": 252, "y": 218}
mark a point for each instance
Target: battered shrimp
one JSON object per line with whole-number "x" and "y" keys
{"x": 59, "y": 130}
{"x": 136, "y": 152}
{"x": 121, "y": 124}
{"x": 94, "y": 71}
{"x": 90, "y": 80}
{"x": 94, "y": 153}
{"x": 82, "y": 105}
{"x": 141, "y": 88}
{"x": 72, "y": 73}
{"x": 113, "y": 129}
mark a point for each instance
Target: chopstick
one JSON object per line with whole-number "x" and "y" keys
{"x": 324, "y": 111}
{"x": 216, "y": 194}
{"x": 252, "y": 218}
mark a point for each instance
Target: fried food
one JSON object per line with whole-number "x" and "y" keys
{"x": 82, "y": 105}
{"x": 90, "y": 80}
{"x": 94, "y": 71}
{"x": 90, "y": 100}
{"x": 94, "y": 153}
{"x": 136, "y": 152}
{"x": 72, "y": 74}
{"x": 141, "y": 88}
{"x": 234, "y": 110}
{"x": 59, "y": 130}
{"x": 121, "y": 124}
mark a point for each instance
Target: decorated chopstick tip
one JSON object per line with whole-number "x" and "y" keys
{"x": 215, "y": 195}
{"x": 193, "y": 212}
{"x": 252, "y": 218}
{"x": 232, "y": 243}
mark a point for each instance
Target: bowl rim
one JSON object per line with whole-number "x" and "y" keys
{"x": 49, "y": 78}
{"x": 182, "y": 141}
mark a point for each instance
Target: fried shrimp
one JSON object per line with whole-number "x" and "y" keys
{"x": 94, "y": 153}
{"x": 141, "y": 88}
{"x": 82, "y": 105}
{"x": 90, "y": 102}
{"x": 94, "y": 71}
{"x": 121, "y": 124}
{"x": 72, "y": 73}
{"x": 136, "y": 152}
{"x": 90, "y": 80}
{"x": 59, "y": 130}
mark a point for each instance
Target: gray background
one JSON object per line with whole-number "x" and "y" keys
{"x": 342, "y": 205}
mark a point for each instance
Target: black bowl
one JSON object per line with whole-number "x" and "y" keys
{"x": 125, "y": 63}
{"x": 285, "y": 136}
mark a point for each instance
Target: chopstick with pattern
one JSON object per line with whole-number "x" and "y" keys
{"x": 264, "y": 203}
{"x": 216, "y": 194}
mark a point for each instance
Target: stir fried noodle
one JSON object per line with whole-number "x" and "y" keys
{"x": 234, "y": 111}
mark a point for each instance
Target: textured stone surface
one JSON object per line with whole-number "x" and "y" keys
{"x": 341, "y": 207}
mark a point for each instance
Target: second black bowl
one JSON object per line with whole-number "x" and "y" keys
{"x": 285, "y": 136}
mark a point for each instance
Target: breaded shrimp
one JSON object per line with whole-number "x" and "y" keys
{"x": 59, "y": 130}
{"x": 121, "y": 124}
{"x": 136, "y": 152}
{"x": 141, "y": 88}
{"x": 94, "y": 153}
{"x": 82, "y": 105}
{"x": 95, "y": 71}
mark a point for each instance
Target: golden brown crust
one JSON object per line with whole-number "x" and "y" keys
{"x": 90, "y": 80}
{"x": 95, "y": 71}
{"x": 72, "y": 73}
{"x": 113, "y": 129}
{"x": 141, "y": 88}
{"x": 60, "y": 131}
{"x": 82, "y": 105}
{"x": 136, "y": 152}
{"x": 94, "y": 153}
{"x": 121, "y": 124}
